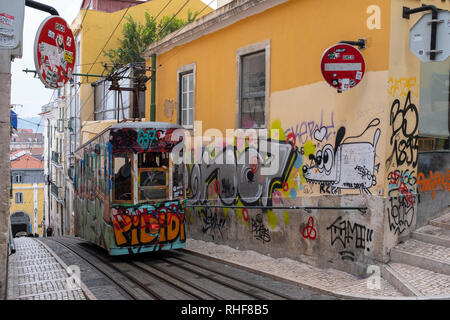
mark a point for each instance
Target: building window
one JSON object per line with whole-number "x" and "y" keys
{"x": 122, "y": 178}
{"x": 18, "y": 197}
{"x": 252, "y": 85}
{"x": 18, "y": 178}
{"x": 186, "y": 96}
{"x": 111, "y": 104}
{"x": 253, "y": 78}
{"x": 187, "y": 99}
{"x": 153, "y": 170}
{"x": 434, "y": 115}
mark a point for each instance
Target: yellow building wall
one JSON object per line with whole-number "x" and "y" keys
{"x": 299, "y": 103}
{"x": 299, "y": 32}
{"x": 97, "y": 28}
{"x": 28, "y": 204}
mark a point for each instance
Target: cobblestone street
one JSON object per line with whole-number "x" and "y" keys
{"x": 35, "y": 274}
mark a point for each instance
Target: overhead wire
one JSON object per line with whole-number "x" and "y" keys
{"x": 174, "y": 34}
{"x": 110, "y": 36}
{"x": 173, "y": 17}
{"x": 83, "y": 103}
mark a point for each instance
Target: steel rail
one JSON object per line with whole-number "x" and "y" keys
{"x": 162, "y": 279}
{"x": 186, "y": 252}
{"x": 110, "y": 276}
{"x": 224, "y": 283}
{"x": 177, "y": 277}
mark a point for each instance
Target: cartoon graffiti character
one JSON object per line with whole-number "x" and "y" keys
{"x": 346, "y": 165}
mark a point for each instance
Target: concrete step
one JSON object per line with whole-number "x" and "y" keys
{"x": 442, "y": 221}
{"x": 432, "y": 234}
{"x": 424, "y": 255}
{"x": 420, "y": 281}
{"x": 398, "y": 281}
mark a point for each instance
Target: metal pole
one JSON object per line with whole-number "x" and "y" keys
{"x": 153, "y": 91}
{"x": 306, "y": 208}
{"x": 41, "y": 6}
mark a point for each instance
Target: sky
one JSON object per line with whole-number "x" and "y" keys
{"x": 28, "y": 93}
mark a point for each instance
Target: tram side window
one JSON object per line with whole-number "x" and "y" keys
{"x": 122, "y": 177}
{"x": 153, "y": 175}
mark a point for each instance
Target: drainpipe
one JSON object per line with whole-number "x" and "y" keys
{"x": 153, "y": 89}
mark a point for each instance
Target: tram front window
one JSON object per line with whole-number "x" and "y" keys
{"x": 122, "y": 177}
{"x": 153, "y": 175}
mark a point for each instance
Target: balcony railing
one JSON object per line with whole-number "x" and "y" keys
{"x": 56, "y": 191}
{"x": 71, "y": 172}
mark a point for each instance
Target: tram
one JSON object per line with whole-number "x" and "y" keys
{"x": 129, "y": 188}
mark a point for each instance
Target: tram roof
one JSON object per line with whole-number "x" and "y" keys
{"x": 134, "y": 125}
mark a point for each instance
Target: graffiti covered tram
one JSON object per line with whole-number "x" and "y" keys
{"x": 129, "y": 191}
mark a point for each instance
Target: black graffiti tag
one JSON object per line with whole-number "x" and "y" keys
{"x": 346, "y": 233}
{"x": 400, "y": 214}
{"x": 404, "y": 138}
{"x": 212, "y": 222}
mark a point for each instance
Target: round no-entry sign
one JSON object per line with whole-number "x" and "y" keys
{"x": 342, "y": 66}
{"x": 54, "y": 52}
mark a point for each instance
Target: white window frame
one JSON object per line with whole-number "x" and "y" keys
{"x": 18, "y": 178}
{"x": 189, "y": 69}
{"x": 253, "y": 48}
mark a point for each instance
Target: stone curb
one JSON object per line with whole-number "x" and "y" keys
{"x": 439, "y": 224}
{"x": 319, "y": 288}
{"x": 83, "y": 287}
{"x": 400, "y": 283}
{"x": 428, "y": 238}
{"x": 420, "y": 261}
{"x": 437, "y": 221}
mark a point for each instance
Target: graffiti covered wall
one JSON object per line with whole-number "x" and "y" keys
{"x": 433, "y": 185}
{"x": 355, "y": 149}
{"x": 322, "y": 163}
{"x": 333, "y": 146}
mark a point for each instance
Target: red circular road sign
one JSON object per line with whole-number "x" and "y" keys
{"x": 54, "y": 52}
{"x": 342, "y": 66}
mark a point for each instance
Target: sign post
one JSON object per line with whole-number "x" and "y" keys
{"x": 11, "y": 28}
{"x": 54, "y": 52}
{"x": 342, "y": 66}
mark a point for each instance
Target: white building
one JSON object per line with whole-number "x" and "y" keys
{"x": 53, "y": 115}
